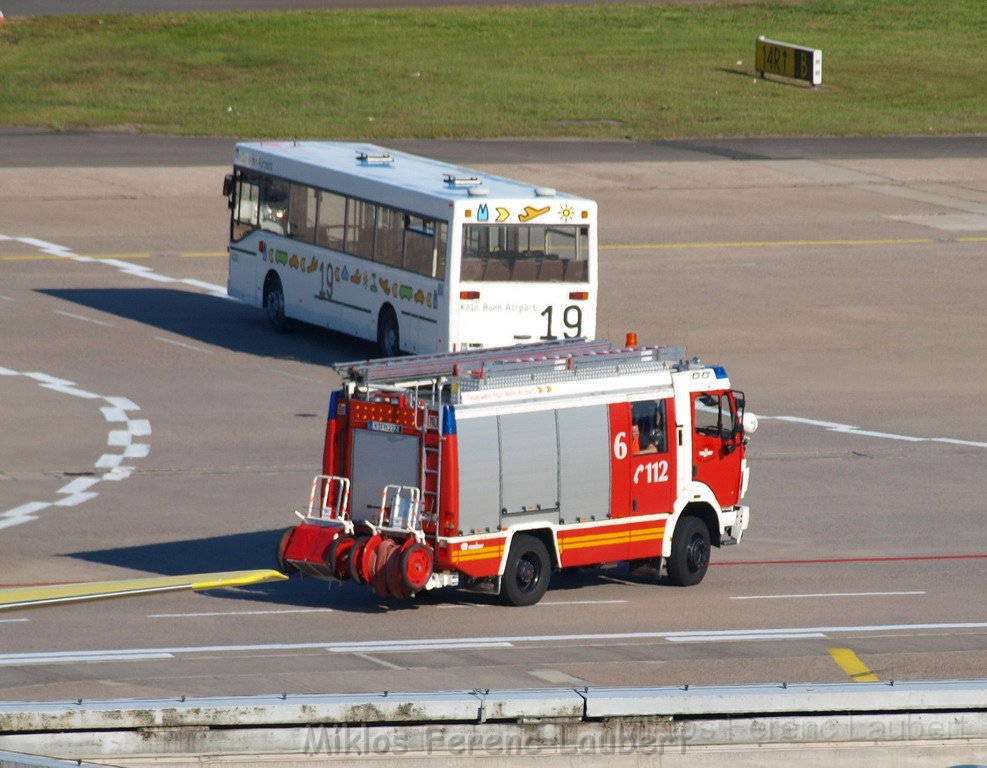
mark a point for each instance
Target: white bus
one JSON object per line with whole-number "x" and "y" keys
{"x": 417, "y": 255}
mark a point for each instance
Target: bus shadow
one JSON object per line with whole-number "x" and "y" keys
{"x": 218, "y": 322}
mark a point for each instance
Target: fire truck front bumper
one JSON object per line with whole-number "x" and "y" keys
{"x": 735, "y": 522}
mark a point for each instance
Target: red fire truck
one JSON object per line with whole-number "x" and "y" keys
{"x": 490, "y": 469}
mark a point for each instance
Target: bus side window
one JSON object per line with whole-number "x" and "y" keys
{"x": 301, "y": 213}
{"x": 360, "y": 226}
{"x": 419, "y": 245}
{"x": 331, "y": 220}
{"x": 389, "y": 242}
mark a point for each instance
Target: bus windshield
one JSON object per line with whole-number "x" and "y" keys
{"x": 525, "y": 253}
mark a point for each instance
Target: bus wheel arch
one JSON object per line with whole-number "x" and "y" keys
{"x": 274, "y": 302}
{"x": 388, "y": 332}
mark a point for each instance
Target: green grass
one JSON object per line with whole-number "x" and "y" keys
{"x": 608, "y": 71}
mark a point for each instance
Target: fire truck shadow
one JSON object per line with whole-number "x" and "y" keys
{"x": 253, "y": 550}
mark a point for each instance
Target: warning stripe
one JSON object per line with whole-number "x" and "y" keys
{"x": 469, "y": 555}
{"x": 608, "y": 539}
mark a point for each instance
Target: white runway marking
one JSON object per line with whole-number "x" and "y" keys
{"x": 126, "y": 267}
{"x": 77, "y": 491}
{"x": 426, "y": 645}
{"x": 83, "y": 317}
{"x": 580, "y": 602}
{"x": 850, "y": 429}
{"x": 461, "y": 643}
{"x": 183, "y": 345}
{"x": 826, "y": 594}
{"x": 237, "y": 613}
{"x": 380, "y": 662}
{"x": 744, "y": 637}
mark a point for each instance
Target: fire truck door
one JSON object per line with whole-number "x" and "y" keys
{"x": 652, "y": 463}
{"x": 715, "y": 458}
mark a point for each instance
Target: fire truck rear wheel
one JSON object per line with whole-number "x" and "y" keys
{"x": 527, "y": 573}
{"x": 690, "y": 552}
{"x": 284, "y": 565}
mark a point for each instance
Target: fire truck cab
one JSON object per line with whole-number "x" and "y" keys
{"x": 490, "y": 469}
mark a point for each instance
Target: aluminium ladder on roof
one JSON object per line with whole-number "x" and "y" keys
{"x": 395, "y": 369}
{"x": 508, "y": 366}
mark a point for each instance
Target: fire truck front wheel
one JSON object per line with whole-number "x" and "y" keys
{"x": 527, "y": 573}
{"x": 690, "y": 552}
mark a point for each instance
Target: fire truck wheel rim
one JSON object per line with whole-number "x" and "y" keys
{"x": 698, "y": 554}
{"x": 416, "y": 567}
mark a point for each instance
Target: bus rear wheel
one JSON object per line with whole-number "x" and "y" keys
{"x": 388, "y": 333}
{"x": 274, "y": 301}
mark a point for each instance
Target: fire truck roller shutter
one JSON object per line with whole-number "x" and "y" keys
{"x": 379, "y": 459}
{"x": 584, "y": 462}
{"x": 479, "y": 474}
{"x": 529, "y": 463}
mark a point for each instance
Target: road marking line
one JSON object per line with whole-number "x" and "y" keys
{"x": 76, "y": 491}
{"x": 580, "y": 602}
{"x": 421, "y": 646}
{"x": 826, "y": 594}
{"x": 136, "y": 270}
{"x": 237, "y": 613}
{"x": 83, "y": 317}
{"x": 850, "y": 429}
{"x": 381, "y": 662}
{"x": 850, "y": 663}
{"x": 744, "y": 637}
{"x": 556, "y": 677}
{"x": 456, "y": 643}
{"x": 834, "y": 560}
{"x": 184, "y": 345}
{"x": 56, "y": 658}
{"x": 774, "y": 244}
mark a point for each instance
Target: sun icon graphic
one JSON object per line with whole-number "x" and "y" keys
{"x": 567, "y": 213}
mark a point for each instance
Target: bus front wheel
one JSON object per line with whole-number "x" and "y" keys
{"x": 388, "y": 334}
{"x": 274, "y": 301}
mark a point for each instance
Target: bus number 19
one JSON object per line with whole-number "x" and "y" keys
{"x": 572, "y": 319}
